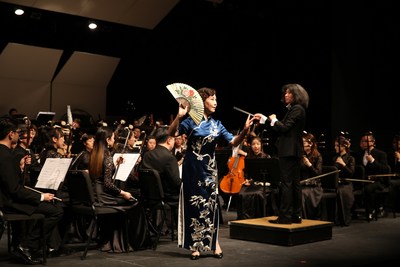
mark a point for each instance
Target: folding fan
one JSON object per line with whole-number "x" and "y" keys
{"x": 188, "y": 96}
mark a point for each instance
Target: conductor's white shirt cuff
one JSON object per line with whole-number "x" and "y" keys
{"x": 263, "y": 119}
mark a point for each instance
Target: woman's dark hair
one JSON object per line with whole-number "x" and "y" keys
{"x": 206, "y": 92}
{"x": 314, "y": 153}
{"x": 99, "y": 148}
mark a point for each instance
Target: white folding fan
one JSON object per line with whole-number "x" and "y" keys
{"x": 186, "y": 95}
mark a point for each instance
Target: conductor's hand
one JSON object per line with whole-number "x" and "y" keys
{"x": 272, "y": 117}
{"x": 260, "y": 117}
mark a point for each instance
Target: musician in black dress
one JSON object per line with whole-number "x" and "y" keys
{"x": 251, "y": 198}
{"x": 311, "y": 190}
{"x": 344, "y": 162}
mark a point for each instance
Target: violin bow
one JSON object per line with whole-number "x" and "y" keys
{"x": 122, "y": 152}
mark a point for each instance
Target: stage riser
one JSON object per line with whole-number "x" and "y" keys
{"x": 260, "y": 230}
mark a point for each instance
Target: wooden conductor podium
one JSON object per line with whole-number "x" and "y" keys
{"x": 261, "y": 230}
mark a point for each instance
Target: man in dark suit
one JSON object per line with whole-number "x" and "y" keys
{"x": 290, "y": 151}
{"x": 15, "y": 198}
{"x": 162, "y": 160}
{"x": 375, "y": 163}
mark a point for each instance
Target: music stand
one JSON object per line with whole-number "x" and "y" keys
{"x": 43, "y": 117}
{"x": 265, "y": 170}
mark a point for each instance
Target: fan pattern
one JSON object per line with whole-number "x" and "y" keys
{"x": 188, "y": 96}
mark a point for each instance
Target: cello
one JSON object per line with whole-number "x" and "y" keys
{"x": 233, "y": 181}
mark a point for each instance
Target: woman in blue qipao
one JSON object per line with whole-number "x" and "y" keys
{"x": 198, "y": 219}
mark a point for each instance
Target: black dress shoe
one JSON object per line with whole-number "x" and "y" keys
{"x": 218, "y": 255}
{"x": 296, "y": 219}
{"x": 280, "y": 221}
{"x": 25, "y": 255}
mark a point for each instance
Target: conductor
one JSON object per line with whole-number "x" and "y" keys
{"x": 290, "y": 150}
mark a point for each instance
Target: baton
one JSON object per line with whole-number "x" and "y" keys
{"x": 241, "y": 110}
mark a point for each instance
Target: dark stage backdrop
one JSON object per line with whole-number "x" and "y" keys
{"x": 247, "y": 49}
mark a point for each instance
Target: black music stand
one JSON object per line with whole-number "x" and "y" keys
{"x": 43, "y": 117}
{"x": 265, "y": 170}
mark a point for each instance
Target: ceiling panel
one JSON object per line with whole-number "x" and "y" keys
{"x": 87, "y": 69}
{"x": 137, "y": 13}
{"x": 26, "y": 62}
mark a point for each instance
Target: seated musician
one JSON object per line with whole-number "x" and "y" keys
{"x": 250, "y": 202}
{"x": 344, "y": 162}
{"x": 375, "y": 163}
{"x": 53, "y": 141}
{"x": 311, "y": 166}
{"x": 18, "y": 199}
{"x": 393, "y": 200}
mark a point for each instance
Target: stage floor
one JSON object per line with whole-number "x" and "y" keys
{"x": 361, "y": 244}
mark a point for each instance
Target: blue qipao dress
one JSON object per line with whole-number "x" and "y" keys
{"x": 198, "y": 216}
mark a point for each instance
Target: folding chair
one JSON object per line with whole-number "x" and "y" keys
{"x": 329, "y": 185}
{"x": 6, "y": 220}
{"x": 82, "y": 202}
{"x": 152, "y": 199}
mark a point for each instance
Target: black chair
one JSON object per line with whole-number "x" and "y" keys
{"x": 153, "y": 201}
{"x": 6, "y": 222}
{"x": 382, "y": 196}
{"x": 329, "y": 185}
{"x": 82, "y": 203}
{"x": 359, "y": 181}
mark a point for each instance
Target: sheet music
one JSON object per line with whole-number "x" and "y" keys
{"x": 126, "y": 166}
{"x": 53, "y": 173}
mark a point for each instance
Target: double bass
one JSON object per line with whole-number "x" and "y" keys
{"x": 233, "y": 181}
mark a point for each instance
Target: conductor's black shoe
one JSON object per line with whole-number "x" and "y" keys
{"x": 296, "y": 219}
{"x": 281, "y": 221}
{"x": 25, "y": 255}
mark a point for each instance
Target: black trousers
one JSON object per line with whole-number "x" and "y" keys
{"x": 53, "y": 213}
{"x": 290, "y": 188}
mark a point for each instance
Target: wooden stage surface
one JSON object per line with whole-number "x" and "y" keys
{"x": 261, "y": 230}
